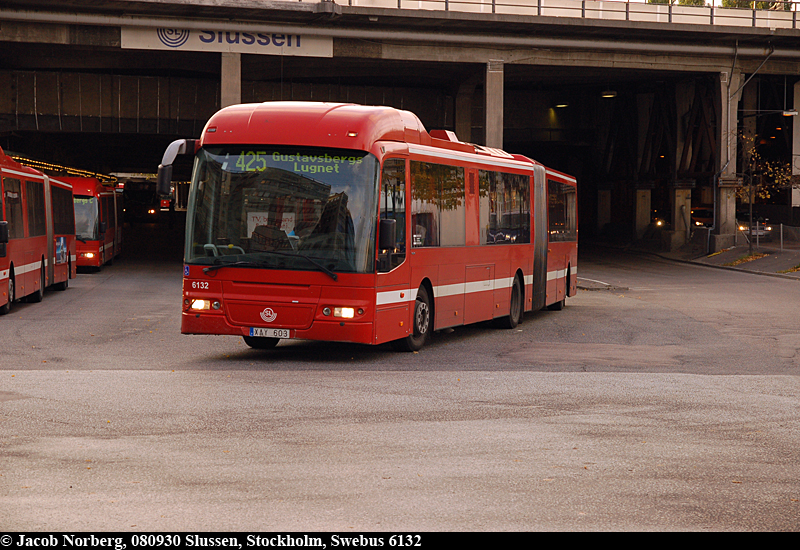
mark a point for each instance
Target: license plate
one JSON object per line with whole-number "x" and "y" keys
{"x": 270, "y": 332}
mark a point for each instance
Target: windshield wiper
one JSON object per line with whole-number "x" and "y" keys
{"x": 234, "y": 264}
{"x": 322, "y": 268}
{"x": 243, "y": 263}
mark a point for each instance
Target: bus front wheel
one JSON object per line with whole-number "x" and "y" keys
{"x": 259, "y": 342}
{"x": 515, "y": 308}
{"x": 11, "y": 296}
{"x": 423, "y": 324}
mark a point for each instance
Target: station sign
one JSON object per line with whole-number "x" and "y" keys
{"x": 262, "y": 42}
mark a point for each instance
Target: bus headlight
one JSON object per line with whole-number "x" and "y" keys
{"x": 344, "y": 312}
{"x": 201, "y": 305}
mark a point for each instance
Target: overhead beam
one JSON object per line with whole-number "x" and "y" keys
{"x": 436, "y": 36}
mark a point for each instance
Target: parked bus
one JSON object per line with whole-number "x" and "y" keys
{"x": 352, "y": 223}
{"x": 37, "y": 233}
{"x": 98, "y": 221}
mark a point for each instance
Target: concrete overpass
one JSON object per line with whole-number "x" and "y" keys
{"x": 654, "y": 93}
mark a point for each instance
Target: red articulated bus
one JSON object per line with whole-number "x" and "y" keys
{"x": 37, "y": 233}
{"x": 351, "y": 223}
{"x": 98, "y": 221}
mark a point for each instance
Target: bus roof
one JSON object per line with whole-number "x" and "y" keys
{"x": 9, "y": 163}
{"x": 86, "y": 185}
{"x": 337, "y": 125}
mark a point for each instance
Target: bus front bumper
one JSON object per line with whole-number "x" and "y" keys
{"x": 335, "y": 330}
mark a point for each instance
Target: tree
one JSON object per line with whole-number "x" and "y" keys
{"x": 762, "y": 178}
{"x": 784, "y": 5}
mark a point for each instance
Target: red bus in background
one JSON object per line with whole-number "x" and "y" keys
{"x": 37, "y": 233}
{"x": 353, "y": 223}
{"x": 98, "y": 221}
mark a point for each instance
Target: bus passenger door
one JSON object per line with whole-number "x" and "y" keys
{"x": 393, "y": 297}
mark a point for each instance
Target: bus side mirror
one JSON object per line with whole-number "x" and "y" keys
{"x": 164, "y": 180}
{"x": 103, "y": 227}
{"x": 388, "y": 232}
{"x": 177, "y": 147}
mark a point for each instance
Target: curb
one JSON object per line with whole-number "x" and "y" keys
{"x": 695, "y": 261}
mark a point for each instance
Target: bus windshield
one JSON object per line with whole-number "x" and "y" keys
{"x": 283, "y": 208}
{"x": 86, "y": 218}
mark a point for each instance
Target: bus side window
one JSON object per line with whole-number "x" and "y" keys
{"x": 562, "y": 212}
{"x": 13, "y": 198}
{"x": 392, "y": 207}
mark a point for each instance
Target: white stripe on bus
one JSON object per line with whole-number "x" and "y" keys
{"x": 20, "y": 269}
{"x": 36, "y": 176}
{"x": 562, "y": 176}
{"x": 390, "y": 297}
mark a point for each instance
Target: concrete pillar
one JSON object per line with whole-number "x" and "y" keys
{"x": 643, "y": 197}
{"x": 681, "y": 202}
{"x": 724, "y": 232}
{"x": 494, "y": 103}
{"x": 645, "y": 103}
{"x": 230, "y": 79}
{"x": 603, "y": 208}
{"x": 463, "y": 121}
{"x": 749, "y": 128}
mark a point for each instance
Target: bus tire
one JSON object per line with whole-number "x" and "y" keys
{"x": 39, "y": 294}
{"x": 515, "y": 309}
{"x": 260, "y": 342}
{"x": 63, "y": 285}
{"x": 422, "y": 324}
{"x": 558, "y": 306}
{"x": 11, "y": 296}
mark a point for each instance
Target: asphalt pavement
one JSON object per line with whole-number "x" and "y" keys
{"x": 768, "y": 259}
{"x": 765, "y": 259}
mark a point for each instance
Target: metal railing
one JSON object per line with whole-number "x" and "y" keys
{"x": 769, "y": 15}
{"x": 771, "y": 235}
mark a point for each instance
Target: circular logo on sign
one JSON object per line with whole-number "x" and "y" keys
{"x": 174, "y": 38}
{"x": 268, "y": 315}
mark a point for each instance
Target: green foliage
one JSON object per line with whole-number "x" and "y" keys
{"x": 777, "y": 5}
{"x": 765, "y": 176}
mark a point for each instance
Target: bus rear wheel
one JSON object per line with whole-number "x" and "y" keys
{"x": 39, "y": 294}
{"x": 63, "y": 285}
{"x": 422, "y": 322}
{"x": 11, "y": 296}
{"x": 260, "y": 342}
{"x": 558, "y": 306}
